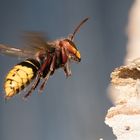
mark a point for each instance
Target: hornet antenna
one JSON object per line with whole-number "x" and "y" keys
{"x": 78, "y": 27}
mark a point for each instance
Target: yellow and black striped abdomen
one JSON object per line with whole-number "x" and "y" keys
{"x": 20, "y": 76}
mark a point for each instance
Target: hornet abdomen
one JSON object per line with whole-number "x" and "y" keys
{"x": 20, "y": 76}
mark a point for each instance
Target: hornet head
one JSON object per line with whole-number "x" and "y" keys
{"x": 71, "y": 48}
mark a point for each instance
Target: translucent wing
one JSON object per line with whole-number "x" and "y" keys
{"x": 37, "y": 41}
{"x": 8, "y": 50}
{"x": 33, "y": 42}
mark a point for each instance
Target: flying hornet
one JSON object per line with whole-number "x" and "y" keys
{"x": 42, "y": 58}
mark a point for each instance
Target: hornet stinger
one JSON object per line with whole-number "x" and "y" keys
{"x": 41, "y": 60}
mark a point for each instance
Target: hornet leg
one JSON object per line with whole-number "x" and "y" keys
{"x": 67, "y": 69}
{"x": 52, "y": 68}
{"x": 66, "y": 62}
{"x": 39, "y": 75}
{"x": 64, "y": 56}
{"x": 35, "y": 84}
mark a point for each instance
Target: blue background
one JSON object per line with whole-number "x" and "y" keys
{"x": 73, "y": 108}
